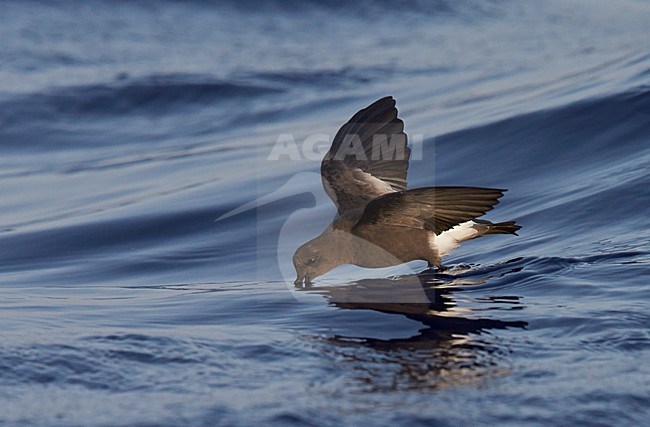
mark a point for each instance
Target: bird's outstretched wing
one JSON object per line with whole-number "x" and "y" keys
{"x": 435, "y": 209}
{"x": 369, "y": 157}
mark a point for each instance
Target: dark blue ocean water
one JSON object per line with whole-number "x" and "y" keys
{"x": 127, "y": 128}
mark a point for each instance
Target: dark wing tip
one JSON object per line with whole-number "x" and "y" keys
{"x": 387, "y": 97}
{"x": 382, "y": 103}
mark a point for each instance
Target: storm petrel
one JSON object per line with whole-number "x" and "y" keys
{"x": 380, "y": 222}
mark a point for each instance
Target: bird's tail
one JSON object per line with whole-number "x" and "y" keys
{"x": 486, "y": 227}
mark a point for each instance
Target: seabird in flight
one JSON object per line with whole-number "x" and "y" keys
{"x": 380, "y": 222}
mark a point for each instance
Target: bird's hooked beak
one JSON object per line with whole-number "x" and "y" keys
{"x": 302, "y": 280}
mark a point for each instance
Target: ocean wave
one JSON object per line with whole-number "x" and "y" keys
{"x": 152, "y": 95}
{"x": 365, "y": 7}
{"x": 322, "y": 77}
{"x": 573, "y": 139}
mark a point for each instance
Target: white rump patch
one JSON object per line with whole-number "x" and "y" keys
{"x": 449, "y": 240}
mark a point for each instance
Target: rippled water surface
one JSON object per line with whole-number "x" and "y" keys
{"x": 127, "y": 128}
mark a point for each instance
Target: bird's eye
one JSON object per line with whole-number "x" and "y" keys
{"x": 311, "y": 260}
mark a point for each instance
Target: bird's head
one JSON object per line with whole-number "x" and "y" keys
{"x": 313, "y": 259}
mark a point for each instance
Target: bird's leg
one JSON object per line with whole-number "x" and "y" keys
{"x": 438, "y": 265}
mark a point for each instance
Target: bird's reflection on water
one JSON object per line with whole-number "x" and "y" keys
{"x": 455, "y": 346}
